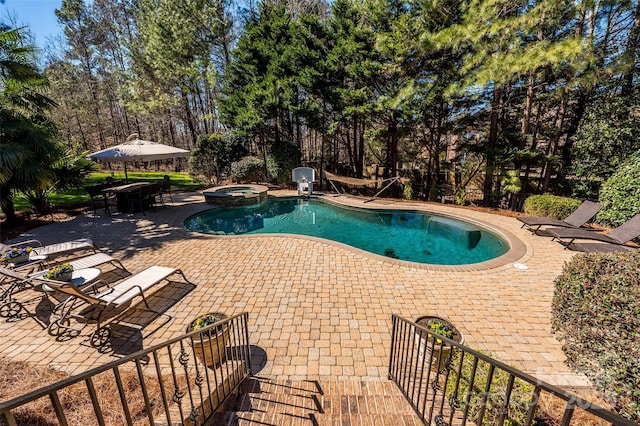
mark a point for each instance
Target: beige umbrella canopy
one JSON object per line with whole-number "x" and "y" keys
{"x": 137, "y": 150}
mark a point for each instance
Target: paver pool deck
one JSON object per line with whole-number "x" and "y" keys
{"x": 316, "y": 309}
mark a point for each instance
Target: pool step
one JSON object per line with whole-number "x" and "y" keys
{"x": 267, "y": 401}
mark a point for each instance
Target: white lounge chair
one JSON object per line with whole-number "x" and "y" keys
{"x": 14, "y": 282}
{"x": 53, "y": 250}
{"x": 93, "y": 304}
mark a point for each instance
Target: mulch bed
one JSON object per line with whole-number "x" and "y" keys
{"x": 28, "y": 220}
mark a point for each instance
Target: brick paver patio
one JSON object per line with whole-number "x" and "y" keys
{"x": 315, "y": 309}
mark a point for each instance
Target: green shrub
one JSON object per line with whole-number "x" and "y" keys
{"x": 620, "y": 194}
{"x": 248, "y": 169}
{"x": 472, "y": 396}
{"x": 550, "y": 206}
{"x": 407, "y": 192}
{"x": 433, "y": 191}
{"x": 461, "y": 196}
{"x": 597, "y": 315}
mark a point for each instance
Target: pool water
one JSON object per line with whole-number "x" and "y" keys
{"x": 405, "y": 235}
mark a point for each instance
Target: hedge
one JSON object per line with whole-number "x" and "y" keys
{"x": 620, "y": 194}
{"x": 551, "y": 206}
{"x": 248, "y": 169}
{"x": 596, "y": 313}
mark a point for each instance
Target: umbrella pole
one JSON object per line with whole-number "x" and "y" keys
{"x": 126, "y": 177}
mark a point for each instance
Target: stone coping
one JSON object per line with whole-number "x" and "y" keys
{"x": 219, "y": 191}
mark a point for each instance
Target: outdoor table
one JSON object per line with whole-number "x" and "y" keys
{"x": 79, "y": 278}
{"x": 122, "y": 194}
{"x": 34, "y": 260}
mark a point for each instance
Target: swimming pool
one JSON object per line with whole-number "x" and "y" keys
{"x": 405, "y": 235}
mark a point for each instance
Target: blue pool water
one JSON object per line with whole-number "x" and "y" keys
{"x": 405, "y": 235}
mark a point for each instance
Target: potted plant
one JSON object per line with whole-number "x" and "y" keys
{"x": 17, "y": 255}
{"x": 441, "y": 349}
{"x": 60, "y": 273}
{"x": 210, "y": 344}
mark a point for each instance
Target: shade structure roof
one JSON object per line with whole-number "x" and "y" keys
{"x": 138, "y": 150}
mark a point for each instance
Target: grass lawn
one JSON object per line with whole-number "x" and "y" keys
{"x": 75, "y": 196}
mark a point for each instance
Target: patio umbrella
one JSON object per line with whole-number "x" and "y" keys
{"x": 138, "y": 150}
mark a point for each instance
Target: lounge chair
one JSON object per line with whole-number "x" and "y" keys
{"x": 577, "y": 219}
{"x": 620, "y": 235}
{"x": 602, "y": 248}
{"x": 93, "y": 304}
{"x": 14, "y": 282}
{"x": 53, "y": 250}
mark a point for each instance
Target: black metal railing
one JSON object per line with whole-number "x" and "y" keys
{"x": 450, "y": 384}
{"x": 166, "y": 384}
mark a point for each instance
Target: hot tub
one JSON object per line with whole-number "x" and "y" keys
{"x": 236, "y": 195}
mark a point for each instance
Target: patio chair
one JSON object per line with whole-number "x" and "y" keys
{"x": 620, "y": 235}
{"x": 112, "y": 182}
{"x": 99, "y": 198}
{"x": 93, "y": 305}
{"x": 14, "y": 282}
{"x": 143, "y": 198}
{"x": 577, "y": 219}
{"x": 53, "y": 250}
{"x": 165, "y": 188}
{"x": 602, "y": 248}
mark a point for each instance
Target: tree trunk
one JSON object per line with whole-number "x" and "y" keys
{"x": 190, "y": 125}
{"x": 350, "y": 152}
{"x": 360, "y": 170}
{"x": 554, "y": 143}
{"x": 491, "y": 145}
{"x": 631, "y": 52}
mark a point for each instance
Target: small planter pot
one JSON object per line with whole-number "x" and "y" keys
{"x": 64, "y": 277}
{"x": 441, "y": 350}
{"x": 210, "y": 345}
{"x": 19, "y": 259}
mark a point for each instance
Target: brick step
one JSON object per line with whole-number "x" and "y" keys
{"x": 322, "y": 386}
{"x": 367, "y": 420}
{"x": 278, "y": 403}
{"x": 279, "y": 419}
{"x": 266, "y": 401}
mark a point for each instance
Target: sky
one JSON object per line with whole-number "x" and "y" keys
{"x": 39, "y": 15}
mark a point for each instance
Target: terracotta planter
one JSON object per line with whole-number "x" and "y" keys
{"x": 210, "y": 345}
{"x": 441, "y": 351}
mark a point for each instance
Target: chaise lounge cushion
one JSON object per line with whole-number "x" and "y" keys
{"x": 135, "y": 285}
{"x": 53, "y": 250}
{"x": 620, "y": 235}
{"x": 601, "y": 248}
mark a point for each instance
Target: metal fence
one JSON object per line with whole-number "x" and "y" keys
{"x": 450, "y": 384}
{"x": 167, "y": 384}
